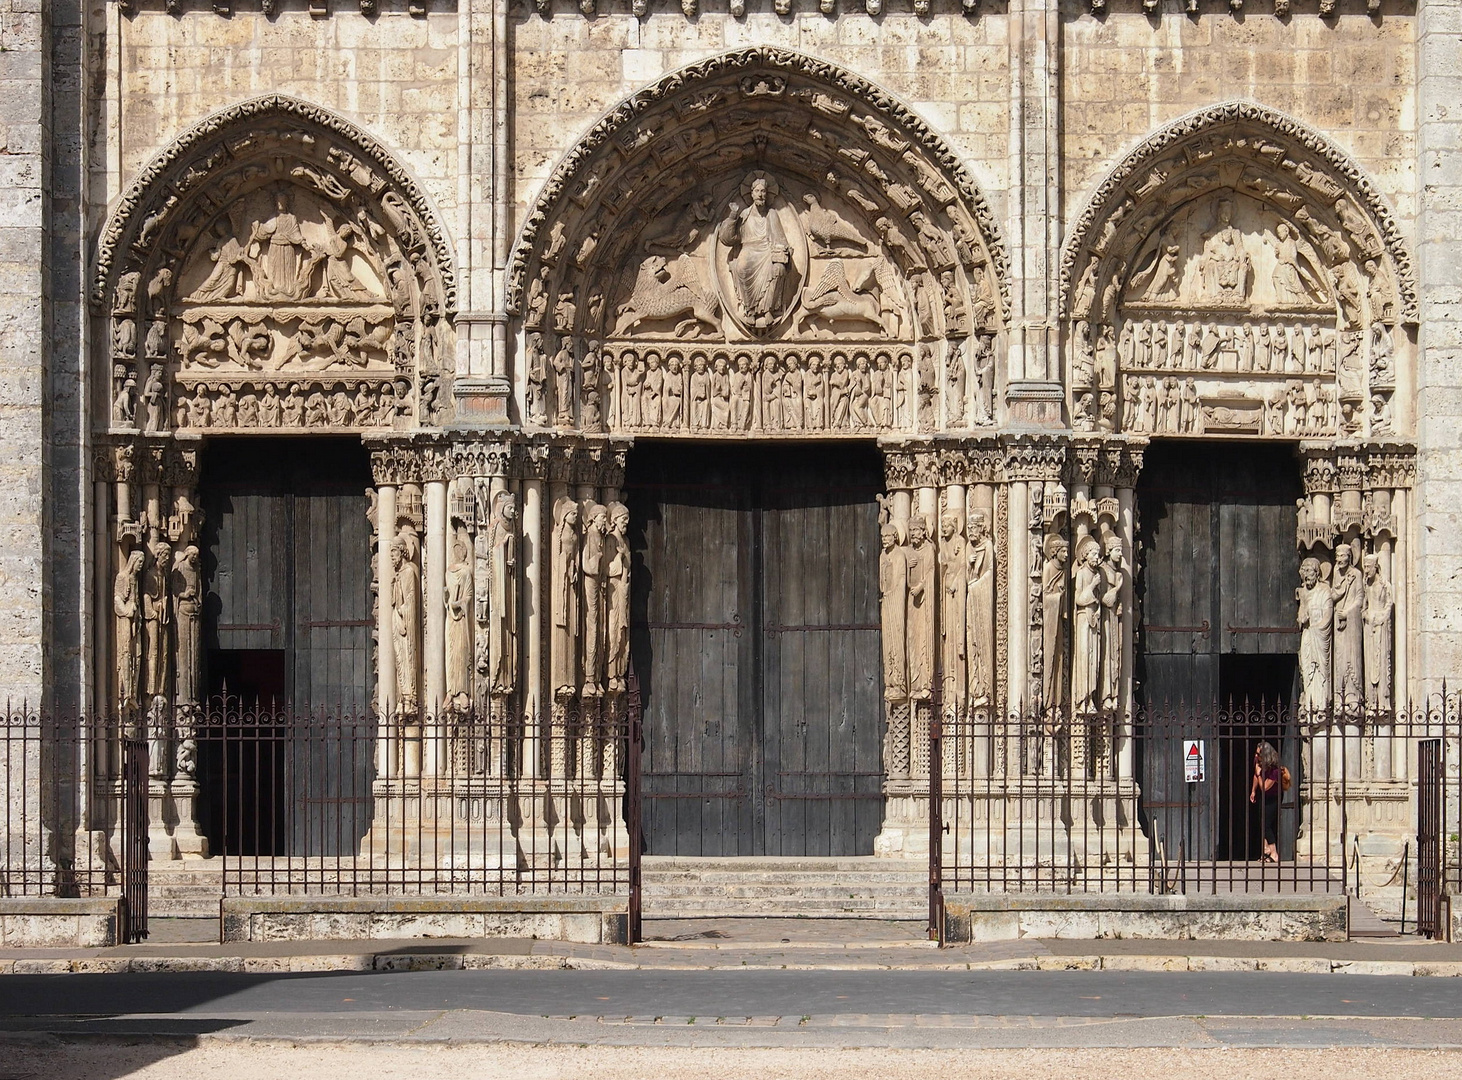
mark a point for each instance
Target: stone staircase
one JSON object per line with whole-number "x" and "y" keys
{"x": 786, "y": 887}
{"x": 184, "y": 888}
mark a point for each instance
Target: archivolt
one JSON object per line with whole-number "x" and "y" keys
{"x": 1295, "y": 162}
{"x": 720, "y": 114}
{"x": 180, "y": 174}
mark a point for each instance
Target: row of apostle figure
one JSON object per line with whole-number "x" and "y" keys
{"x": 589, "y": 600}
{"x": 946, "y": 596}
{"x": 1346, "y": 640}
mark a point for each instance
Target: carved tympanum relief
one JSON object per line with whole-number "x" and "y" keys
{"x": 273, "y": 274}
{"x": 1236, "y": 277}
{"x": 759, "y": 245}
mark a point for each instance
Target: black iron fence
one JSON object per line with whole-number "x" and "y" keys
{"x": 1186, "y": 800}
{"x": 464, "y": 803}
{"x": 76, "y": 810}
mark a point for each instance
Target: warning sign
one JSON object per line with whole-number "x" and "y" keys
{"x": 1193, "y": 764}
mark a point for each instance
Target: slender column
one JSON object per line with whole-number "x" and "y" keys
{"x": 1127, "y": 524}
{"x": 532, "y": 552}
{"x": 1400, "y": 624}
{"x": 435, "y": 642}
{"x": 102, "y": 600}
{"x": 387, "y": 741}
{"x": 1018, "y": 575}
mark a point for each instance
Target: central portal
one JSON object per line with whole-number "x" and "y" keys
{"x": 755, "y": 635}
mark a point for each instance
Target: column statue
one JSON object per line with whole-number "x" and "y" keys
{"x": 502, "y": 587}
{"x": 1053, "y": 616}
{"x": 157, "y": 618}
{"x": 406, "y": 617}
{"x": 617, "y": 559}
{"x": 1380, "y": 604}
{"x": 1086, "y": 626}
{"x": 1114, "y": 574}
{"x": 187, "y": 590}
{"x": 954, "y": 571}
{"x": 893, "y": 588}
{"x": 980, "y": 609}
{"x": 127, "y": 607}
{"x": 459, "y": 623}
{"x": 922, "y": 585}
{"x": 1316, "y": 620}
{"x": 564, "y": 598}
{"x": 591, "y": 566}
{"x": 1350, "y": 590}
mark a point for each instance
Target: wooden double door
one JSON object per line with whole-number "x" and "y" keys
{"x": 755, "y": 634}
{"x": 1218, "y": 639}
{"x": 287, "y": 618}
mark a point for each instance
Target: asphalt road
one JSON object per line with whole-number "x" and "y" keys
{"x": 30, "y": 1001}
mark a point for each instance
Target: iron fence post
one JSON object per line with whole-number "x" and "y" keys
{"x": 633, "y": 737}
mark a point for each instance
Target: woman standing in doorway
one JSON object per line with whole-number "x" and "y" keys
{"x": 1265, "y": 790}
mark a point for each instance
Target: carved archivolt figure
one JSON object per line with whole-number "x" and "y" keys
{"x": 1349, "y": 589}
{"x": 459, "y": 623}
{"x": 157, "y": 617}
{"x": 406, "y": 617}
{"x": 564, "y": 597}
{"x": 922, "y": 585}
{"x": 893, "y": 587}
{"x": 980, "y": 608}
{"x": 1086, "y": 626}
{"x": 592, "y": 574}
{"x": 954, "y": 572}
{"x": 1379, "y": 606}
{"x": 187, "y": 590}
{"x": 502, "y": 587}
{"x": 127, "y": 607}
{"x": 1316, "y": 620}
{"x": 616, "y": 572}
{"x": 1053, "y": 613}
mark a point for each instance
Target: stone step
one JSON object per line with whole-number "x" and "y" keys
{"x": 671, "y": 877}
{"x": 783, "y": 863}
{"x": 755, "y": 892}
{"x": 784, "y": 906}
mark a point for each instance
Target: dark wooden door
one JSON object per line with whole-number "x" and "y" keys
{"x": 756, "y": 639}
{"x": 1218, "y": 632}
{"x": 287, "y": 552}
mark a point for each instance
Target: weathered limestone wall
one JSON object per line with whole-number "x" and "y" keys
{"x": 25, "y": 140}
{"x": 395, "y": 76}
{"x": 1350, "y": 78}
{"x": 949, "y": 68}
{"x": 1438, "y": 566}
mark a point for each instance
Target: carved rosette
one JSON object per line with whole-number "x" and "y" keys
{"x": 1237, "y": 275}
{"x": 760, "y": 246}
{"x": 274, "y": 270}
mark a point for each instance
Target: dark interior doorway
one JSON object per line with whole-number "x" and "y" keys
{"x": 286, "y": 551}
{"x": 755, "y": 633}
{"x": 1218, "y": 640}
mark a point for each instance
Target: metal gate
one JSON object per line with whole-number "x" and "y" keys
{"x": 1429, "y": 831}
{"x": 132, "y": 912}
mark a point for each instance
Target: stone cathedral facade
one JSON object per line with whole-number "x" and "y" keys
{"x": 456, "y": 284}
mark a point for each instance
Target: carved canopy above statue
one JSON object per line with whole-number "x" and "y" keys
{"x": 760, "y": 244}
{"x": 1236, "y": 275}
{"x": 274, "y": 269}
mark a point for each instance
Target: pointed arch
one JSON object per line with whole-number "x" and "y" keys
{"x": 180, "y": 172}
{"x": 273, "y": 267}
{"x": 861, "y": 137}
{"x": 1289, "y": 165}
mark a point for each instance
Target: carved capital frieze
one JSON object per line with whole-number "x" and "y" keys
{"x": 1034, "y": 458}
{"x": 396, "y": 464}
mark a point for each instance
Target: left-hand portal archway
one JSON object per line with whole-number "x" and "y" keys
{"x": 759, "y": 246}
